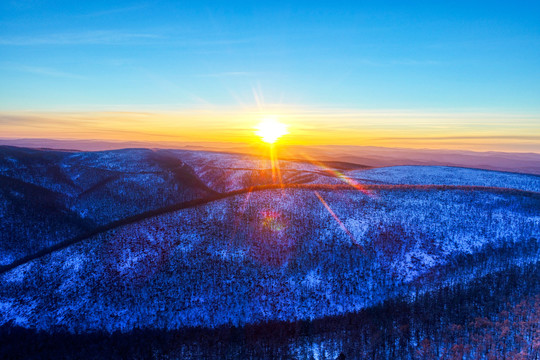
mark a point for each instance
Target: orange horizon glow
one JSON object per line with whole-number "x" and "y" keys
{"x": 311, "y": 127}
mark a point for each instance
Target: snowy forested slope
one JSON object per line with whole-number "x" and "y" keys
{"x": 226, "y": 172}
{"x": 444, "y": 175}
{"x": 271, "y": 255}
{"x": 50, "y": 196}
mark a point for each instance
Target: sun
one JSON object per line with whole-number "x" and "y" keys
{"x": 270, "y": 130}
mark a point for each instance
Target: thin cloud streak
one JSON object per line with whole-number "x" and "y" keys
{"x": 236, "y": 125}
{"x": 227, "y": 74}
{"x": 43, "y": 71}
{"x": 100, "y": 37}
{"x": 118, "y": 37}
{"x": 114, "y": 11}
{"x": 477, "y": 137}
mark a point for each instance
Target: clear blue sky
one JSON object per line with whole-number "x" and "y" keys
{"x": 365, "y": 55}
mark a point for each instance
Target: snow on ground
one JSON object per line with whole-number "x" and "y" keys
{"x": 126, "y": 160}
{"x": 6, "y": 258}
{"x": 444, "y": 175}
{"x": 271, "y": 255}
{"x": 242, "y": 260}
{"x": 227, "y": 172}
{"x": 74, "y": 262}
{"x": 18, "y": 274}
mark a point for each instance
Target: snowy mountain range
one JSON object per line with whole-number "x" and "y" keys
{"x": 175, "y": 239}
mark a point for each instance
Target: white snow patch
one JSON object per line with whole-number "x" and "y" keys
{"x": 312, "y": 279}
{"x": 9, "y": 312}
{"x": 74, "y": 262}
{"x": 231, "y": 254}
{"x": 129, "y": 259}
{"x": 357, "y": 228}
{"x": 18, "y": 274}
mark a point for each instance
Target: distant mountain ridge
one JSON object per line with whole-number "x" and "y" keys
{"x": 371, "y": 156}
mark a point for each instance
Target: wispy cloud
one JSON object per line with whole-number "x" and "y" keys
{"x": 45, "y": 71}
{"x": 208, "y": 44}
{"x": 227, "y": 74}
{"x": 467, "y": 137}
{"x": 236, "y": 124}
{"x": 415, "y": 62}
{"x": 35, "y": 120}
{"x": 118, "y": 10}
{"x": 398, "y": 62}
{"x": 101, "y": 37}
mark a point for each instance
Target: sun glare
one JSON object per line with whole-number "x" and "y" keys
{"x": 270, "y": 130}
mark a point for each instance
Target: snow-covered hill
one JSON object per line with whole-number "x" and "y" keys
{"x": 270, "y": 255}
{"x": 50, "y": 196}
{"x": 242, "y": 258}
{"x": 227, "y": 172}
{"x": 444, "y": 175}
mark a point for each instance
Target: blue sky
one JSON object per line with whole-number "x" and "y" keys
{"x": 424, "y": 56}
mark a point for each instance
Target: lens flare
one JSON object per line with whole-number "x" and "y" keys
{"x": 271, "y": 220}
{"x": 338, "y": 175}
{"x": 338, "y": 220}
